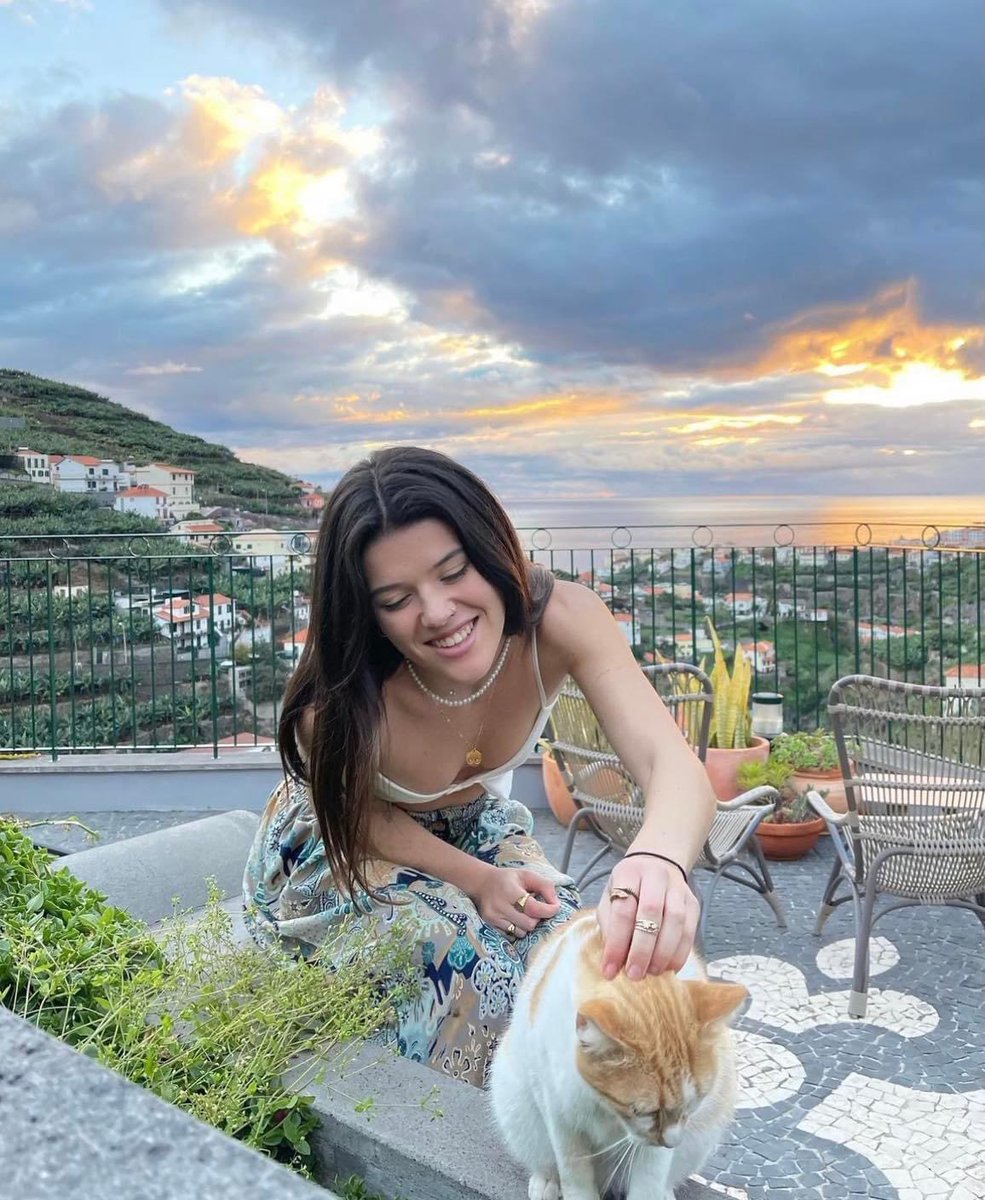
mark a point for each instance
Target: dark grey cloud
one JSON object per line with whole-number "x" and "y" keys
{"x": 668, "y": 167}
{"x": 625, "y": 191}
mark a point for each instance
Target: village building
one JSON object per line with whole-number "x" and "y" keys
{"x": 177, "y": 483}
{"x": 144, "y": 502}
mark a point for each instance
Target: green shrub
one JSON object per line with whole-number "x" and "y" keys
{"x": 204, "y": 1024}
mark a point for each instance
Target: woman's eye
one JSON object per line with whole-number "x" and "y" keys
{"x": 455, "y": 575}
{"x": 394, "y": 605}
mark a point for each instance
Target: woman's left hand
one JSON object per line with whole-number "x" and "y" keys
{"x": 654, "y": 894}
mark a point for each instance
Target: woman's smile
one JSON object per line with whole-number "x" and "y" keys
{"x": 456, "y": 644}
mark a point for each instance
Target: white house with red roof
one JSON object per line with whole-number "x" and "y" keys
{"x": 311, "y": 497}
{"x": 877, "y": 631}
{"x": 144, "y": 501}
{"x": 686, "y": 645}
{"x": 69, "y": 472}
{"x": 185, "y": 622}
{"x": 196, "y": 533}
{"x": 761, "y": 655}
{"x": 965, "y": 675}
{"x": 178, "y": 484}
{"x": 292, "y": 645}
{"x": 745, "y": 604}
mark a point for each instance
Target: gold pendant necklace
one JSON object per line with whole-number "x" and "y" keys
{"x": 473, "y": 755}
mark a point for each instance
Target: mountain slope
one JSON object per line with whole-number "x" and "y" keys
{"x": 62, "y": 419}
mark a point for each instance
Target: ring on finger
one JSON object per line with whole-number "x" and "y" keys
{"x": 521, "y": 903}
{"x": 511, "y": 929}
{"x": 623, "y": 893}
{"x": 647, "y": 926}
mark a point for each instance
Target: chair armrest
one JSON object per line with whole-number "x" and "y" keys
{"x": 824, "y": 810}
{"x": 757, "y": 795}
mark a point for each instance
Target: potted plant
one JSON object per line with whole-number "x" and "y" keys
{"x": 559, "y": 798}
{"x": 791, "y": 829}
{"x": 731, "y": 742}
{"x": 813, "y": 759}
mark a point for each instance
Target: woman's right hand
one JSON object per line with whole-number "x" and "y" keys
{"x": 498, "y": 891}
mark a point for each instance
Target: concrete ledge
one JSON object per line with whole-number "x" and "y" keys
{"x": 236, "y": 759}
{"x": 144, "y": 874}
{"x": 69, "y": 1127}
{"x": 186, "y": 780}
{"x": 401, "y": 1147}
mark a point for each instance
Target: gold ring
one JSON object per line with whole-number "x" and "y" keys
{"x": 511, "y": 929}
{"x": 645, "y": 926}
{"x": 521, "y": 904}
{"x": 623, "y": 893}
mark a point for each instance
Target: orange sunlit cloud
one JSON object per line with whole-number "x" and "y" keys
{"x": 882, "y": 353}
{"x": 749, "y": 421}
{"x": 562, "y": 408}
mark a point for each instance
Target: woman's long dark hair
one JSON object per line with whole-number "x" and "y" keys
{"x": 346, "y": 658}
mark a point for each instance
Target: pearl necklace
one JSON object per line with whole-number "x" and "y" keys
{"x": 473, "y": 696}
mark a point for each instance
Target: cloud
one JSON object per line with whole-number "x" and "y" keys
{"x": 165, "y": 368}
{"x": 587, "y": 246}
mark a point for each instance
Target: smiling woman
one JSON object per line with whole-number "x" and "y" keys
{"x": 434, "y": 655}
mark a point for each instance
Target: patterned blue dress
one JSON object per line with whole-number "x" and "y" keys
{"x": 469, "y": 971}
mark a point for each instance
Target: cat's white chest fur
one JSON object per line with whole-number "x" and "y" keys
{"x": 572, "y": 1090}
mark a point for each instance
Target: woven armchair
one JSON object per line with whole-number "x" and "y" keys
{"x": 611, "y": 805}
{"x": 913, "y": 758}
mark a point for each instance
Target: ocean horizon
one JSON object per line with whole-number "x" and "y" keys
{"x": 746, "y": 520}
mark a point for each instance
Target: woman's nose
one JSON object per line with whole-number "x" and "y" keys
{"x": 436, "y": 610}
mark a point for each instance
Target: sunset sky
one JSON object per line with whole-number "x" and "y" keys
{"x": 588, "y": 247}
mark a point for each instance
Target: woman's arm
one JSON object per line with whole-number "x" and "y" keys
{"x": 395, "y": 836}
{"x": 678, "y": 800}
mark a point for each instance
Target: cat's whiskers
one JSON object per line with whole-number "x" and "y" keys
{"x": 629, "y": 1150}
{"x": 627, "y": 1137}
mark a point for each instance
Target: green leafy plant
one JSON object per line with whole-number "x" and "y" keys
{"x": 205, "y": 1024}
{"x": 815, "y": 751}
{"x": 730, "y": 713}
{"x": 792, "y": 804}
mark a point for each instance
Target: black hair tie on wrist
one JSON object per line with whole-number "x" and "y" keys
{"x": 662, "y": 857}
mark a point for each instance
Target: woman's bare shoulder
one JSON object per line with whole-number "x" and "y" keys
{"x": 574, "y": 615}
{"x": 571, "y": 603}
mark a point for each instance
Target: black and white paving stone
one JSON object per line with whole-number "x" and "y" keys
{"x": 891, "y": 1107}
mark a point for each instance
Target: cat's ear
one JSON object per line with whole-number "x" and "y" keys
{"x": 597, "y": 1026}
{"x": 715, "y": 1001}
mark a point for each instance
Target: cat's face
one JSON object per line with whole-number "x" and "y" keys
{"x": 651, "y": 1050}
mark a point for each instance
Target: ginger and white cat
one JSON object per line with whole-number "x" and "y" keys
{"x": 624, "y": 1085}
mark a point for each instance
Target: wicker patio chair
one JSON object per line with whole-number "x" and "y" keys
{"x": 611, "y": 804}
{"x": 913, "y": 759}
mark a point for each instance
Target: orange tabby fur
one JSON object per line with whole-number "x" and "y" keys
{"x": 597, "y": 1078}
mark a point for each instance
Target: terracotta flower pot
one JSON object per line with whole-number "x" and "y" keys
{"x": 829, "y": 783}
{"x": 722, "y": 766}
{"x": 788, "y": 839}
{"x": 559, "y": 799}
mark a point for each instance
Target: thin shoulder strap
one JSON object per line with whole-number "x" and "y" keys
{"x": 544, "y": 702}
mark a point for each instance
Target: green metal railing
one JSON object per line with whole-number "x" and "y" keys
{"x": 120, "y": 643}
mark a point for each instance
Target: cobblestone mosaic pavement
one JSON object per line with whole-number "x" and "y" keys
{"x": 889, "y": 1108}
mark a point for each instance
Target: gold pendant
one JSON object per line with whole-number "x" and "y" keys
{"x": 473, "y": 757}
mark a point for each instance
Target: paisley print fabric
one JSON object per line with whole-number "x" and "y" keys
{"x": 469, "y": 972}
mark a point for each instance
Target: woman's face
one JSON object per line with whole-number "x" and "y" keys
{"x": 432, "y": 604}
